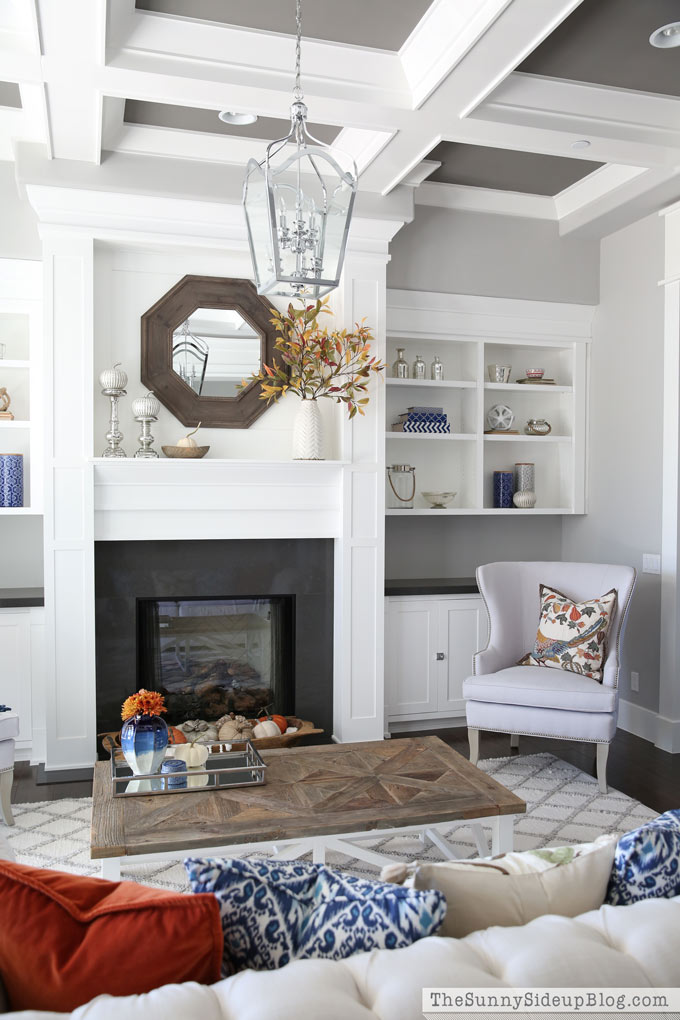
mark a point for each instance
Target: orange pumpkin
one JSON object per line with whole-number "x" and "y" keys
{"x": 280, "y": 721}
{"x": 176, "y": 736}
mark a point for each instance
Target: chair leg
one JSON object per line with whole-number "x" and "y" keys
{"x": 514, "y": 740}
{"x": 602, "y": 752}
{"x": 473, "y": 739}
{"x": 6, "y": 778}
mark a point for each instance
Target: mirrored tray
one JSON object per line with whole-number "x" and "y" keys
{"x": 223, "y": 770}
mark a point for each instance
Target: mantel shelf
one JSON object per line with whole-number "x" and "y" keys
{"x": 144, "y": 462}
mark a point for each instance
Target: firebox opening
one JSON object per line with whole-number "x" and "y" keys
{"x": 211, "y": 656}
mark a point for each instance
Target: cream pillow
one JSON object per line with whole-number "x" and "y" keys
{"x": 517, "y": 887}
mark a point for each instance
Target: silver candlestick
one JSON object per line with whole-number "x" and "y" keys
{"x": 145, "y": 410}
{"x": 113, "y": 382}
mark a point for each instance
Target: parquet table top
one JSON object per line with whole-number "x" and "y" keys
{"x": 309, "y": 791}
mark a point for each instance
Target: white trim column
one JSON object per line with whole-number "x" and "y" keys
{"x": 668, "y": 735}
{"x": 69, "y": 513}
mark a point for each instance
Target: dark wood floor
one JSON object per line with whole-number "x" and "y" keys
{"x": 635, "y": 767}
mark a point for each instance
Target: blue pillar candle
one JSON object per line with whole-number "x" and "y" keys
{"x": 11, "y": 479}
{"x": 503, "y": 488}
{"x": 170, "y": 766}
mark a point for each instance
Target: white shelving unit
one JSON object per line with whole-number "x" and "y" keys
{"x": 21, "y": 374}
{"x": 469, "y": 333}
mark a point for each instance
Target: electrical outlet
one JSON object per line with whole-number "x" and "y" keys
{"x": 651, "y": 563}
{"x": 635, "y": 681}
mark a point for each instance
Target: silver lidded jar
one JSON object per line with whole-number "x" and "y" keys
{"x": 418, "y": 368}
{"x": 436, "y": 369}
{"x": 400, "y": 369}
{"x": 401, "y": 486}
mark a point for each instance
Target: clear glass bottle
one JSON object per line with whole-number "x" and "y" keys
{"x": 436, "y": 369}
{"x": 400, "y": 367}
{"x": 401, "y": 479}
{"x": 418, "y": 368}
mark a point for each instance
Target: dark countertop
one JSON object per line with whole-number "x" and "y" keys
{"x": 21, "y": 598}
{"x": 432, "y": 586}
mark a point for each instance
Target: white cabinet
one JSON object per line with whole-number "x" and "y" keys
{"x": 429, "y": 644}
{"x": 22, "y": 670}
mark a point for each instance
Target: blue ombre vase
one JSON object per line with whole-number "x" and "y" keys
{"x": 503, "y": 489}
{"x": 143, "y": 740}
{"x": 11, "y": 479}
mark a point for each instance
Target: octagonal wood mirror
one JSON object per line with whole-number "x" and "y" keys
{"x": 199, "y": 341}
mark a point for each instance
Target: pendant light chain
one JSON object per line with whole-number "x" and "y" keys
{"x": 297, "y": 91}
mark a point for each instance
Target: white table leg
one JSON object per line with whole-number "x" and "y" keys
{"x": 111, "y": 868}
{"x": 6, "y": 778}
{"x": 442, "y": 845}
{"x": 501, "y": 834}
{"x": 480, "y": 839}
{"x": 318, "y": 851}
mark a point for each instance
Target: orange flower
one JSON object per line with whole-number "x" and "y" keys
{"x": 143, "y": 703}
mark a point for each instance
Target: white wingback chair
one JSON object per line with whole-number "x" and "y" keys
{"x": 534, "y": 700}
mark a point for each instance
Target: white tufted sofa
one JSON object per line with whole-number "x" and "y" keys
{"x": 616, "y": 947}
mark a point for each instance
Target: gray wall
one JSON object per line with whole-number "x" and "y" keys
{"x": 625, "y": 458}
{"x": 499, "y": 256}
{"x": 455, "y": 546}
{"x": 21, "y": 538}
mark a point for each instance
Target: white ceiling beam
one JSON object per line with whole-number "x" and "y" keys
{"x": 449, "y": 29}
{"x": 241, "y": 56}
{"x": 507, "y": 40}
{"x": 73, "y": 46}
{"x": 648, "y": 124}
{"x": 486, "y": 200}
{"x": 590, "y": 190}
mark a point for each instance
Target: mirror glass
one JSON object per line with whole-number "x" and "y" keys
{"x": 214, "y": 349}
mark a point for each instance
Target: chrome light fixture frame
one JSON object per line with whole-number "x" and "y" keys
{"x": 305, "y": 238}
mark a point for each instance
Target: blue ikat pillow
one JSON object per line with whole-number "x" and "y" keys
{"x": 647, "y": 862}
{"x": 277, "y": 911}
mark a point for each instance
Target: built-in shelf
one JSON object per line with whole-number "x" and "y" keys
{"x": 452, "y": 384}
{"x": 13, "y": 363}
{"x": 528, "y": 387}
{"x": 431, "y": 435}
{"x": 18, "y": 511}
{"x": 523, "y": 438}
{"x": 7, "y": 423}
{"x": 476, "y": 511}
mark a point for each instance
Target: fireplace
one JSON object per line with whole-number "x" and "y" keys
{"x": 217, "y": 625}
{"x": 208, "y": 657}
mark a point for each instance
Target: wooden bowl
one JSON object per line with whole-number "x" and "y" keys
{"x": 185, "y": 452}
{"x": 305, "y": 728}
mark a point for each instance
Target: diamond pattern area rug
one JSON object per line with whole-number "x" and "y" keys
{"x": 564, "y": 806}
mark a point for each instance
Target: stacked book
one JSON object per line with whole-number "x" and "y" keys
{"x": 422, "y": 419}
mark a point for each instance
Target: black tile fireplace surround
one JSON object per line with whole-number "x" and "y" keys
{"x": 128, "y": 571}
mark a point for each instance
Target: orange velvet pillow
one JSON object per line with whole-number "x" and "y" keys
{"x": 65, "y": 939}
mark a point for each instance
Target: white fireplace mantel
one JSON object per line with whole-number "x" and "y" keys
{"x": 90, "y": 499}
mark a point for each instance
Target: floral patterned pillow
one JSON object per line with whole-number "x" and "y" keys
{"x": 572, "y": 635}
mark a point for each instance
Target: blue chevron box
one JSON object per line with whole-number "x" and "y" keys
{"x": 419, "y": 422}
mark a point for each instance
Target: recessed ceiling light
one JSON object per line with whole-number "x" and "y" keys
{"x": 233, "y": 117}
{"x": 666, "y": 36}
{"x": 581, "y": 143}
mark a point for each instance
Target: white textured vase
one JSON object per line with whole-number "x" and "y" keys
{"x": 307, "y": 432}
{"x": 525, "y": 500}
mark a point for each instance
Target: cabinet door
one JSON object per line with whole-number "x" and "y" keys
{"x": 410, "y": 657}
{"x": 15, "y": 666}
{"x": 463, "y": 630}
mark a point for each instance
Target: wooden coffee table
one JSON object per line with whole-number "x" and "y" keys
{"x": 329, "y": 797}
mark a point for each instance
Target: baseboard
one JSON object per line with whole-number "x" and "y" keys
{"x": 662, "y": 732}
{"x": 640, "y": 721}
{"x": 45, "y": 777}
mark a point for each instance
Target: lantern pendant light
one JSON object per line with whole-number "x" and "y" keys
{"x": 298, "y": 209}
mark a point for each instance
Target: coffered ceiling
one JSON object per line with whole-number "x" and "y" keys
{"x": 557, "y": 109}
{"x": 378, "y": 24}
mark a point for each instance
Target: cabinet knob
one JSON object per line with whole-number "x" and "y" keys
{"x": 440, "y": 656}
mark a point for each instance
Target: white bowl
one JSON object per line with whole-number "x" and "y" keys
{"x": 438, "y": 500}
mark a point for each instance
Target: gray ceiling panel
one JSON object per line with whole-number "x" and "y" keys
{"x": 531, "y": 173}
{"x": 10, "y": 94}
{"x": 606, "y": 42}
{"x": 186, "y": 118}
{"x": 380, "y": 24}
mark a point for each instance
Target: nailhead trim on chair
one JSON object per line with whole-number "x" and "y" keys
{"x": 527, "y": 733}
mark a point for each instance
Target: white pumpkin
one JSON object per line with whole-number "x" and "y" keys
{"x": 194, "y": 755}
{"x": 187, "y": 440}
{"x": 266, "y": 728}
